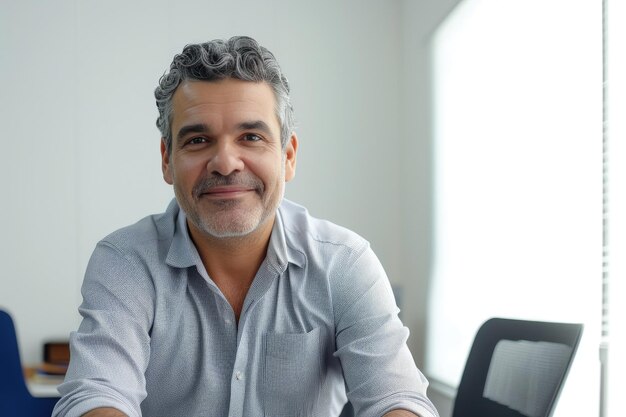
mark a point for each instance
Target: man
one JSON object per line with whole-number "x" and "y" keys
{"x": 236, "y": 302}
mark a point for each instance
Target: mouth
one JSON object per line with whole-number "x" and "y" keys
{"x": 226, "y": 192}
{"x": 224, "y": 188}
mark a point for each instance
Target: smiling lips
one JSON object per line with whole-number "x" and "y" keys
{"x": 226, "y": 191}
{"x": 227, "y": 187}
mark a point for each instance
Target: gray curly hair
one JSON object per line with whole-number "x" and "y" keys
{"x": 239, "y": 57}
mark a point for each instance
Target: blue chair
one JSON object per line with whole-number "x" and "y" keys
{"x": 15, "y": 399}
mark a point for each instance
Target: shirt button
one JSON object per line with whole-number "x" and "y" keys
{"x": 239, "y": 375}
{"x": 227, "y": 321}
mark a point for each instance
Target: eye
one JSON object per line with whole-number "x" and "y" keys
{"x": 196, "y": 140}
{"x": 251, "y": 137}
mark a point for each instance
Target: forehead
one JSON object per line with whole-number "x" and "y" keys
{"x": 223, "y": 102}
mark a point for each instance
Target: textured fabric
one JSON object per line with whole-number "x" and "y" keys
{"x": 158, "y": 338}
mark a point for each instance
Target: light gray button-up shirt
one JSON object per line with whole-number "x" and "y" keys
{"x": 159, "y": 339}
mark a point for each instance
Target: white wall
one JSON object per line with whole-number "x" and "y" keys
{"x": 81, "y": 152}
{"x": 418, "y": 21}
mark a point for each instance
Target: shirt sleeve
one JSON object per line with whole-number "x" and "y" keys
{"x": 111, "y": 349}
{"x": 379, "y": 370}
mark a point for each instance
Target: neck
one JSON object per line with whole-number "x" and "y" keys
{"x": 236, "y": 259}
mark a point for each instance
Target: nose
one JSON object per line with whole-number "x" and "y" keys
{"x": 225, "y": 160}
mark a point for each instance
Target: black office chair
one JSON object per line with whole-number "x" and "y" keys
{"x": 516, "y": 368}
{"x": 15, "y": 399}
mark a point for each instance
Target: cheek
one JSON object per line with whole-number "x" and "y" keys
{"x": 187, "y": 170}
{"x": 269, "y": 171}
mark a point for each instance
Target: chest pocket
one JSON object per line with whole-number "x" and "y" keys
{"x": 292, "y": 375}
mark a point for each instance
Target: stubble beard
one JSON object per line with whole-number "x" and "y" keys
{"x": 228, "y": 218}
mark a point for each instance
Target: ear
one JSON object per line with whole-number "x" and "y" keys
{"x": 290, "y": 157}
{"x": 165, "y": 163}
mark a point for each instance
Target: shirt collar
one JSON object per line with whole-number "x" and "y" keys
{"x": 183, "y": 253}
{"x": 179, "y": 254}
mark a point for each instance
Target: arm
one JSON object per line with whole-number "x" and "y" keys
{"x": 110, "y": 350}
{"x": 105, "y": 412}
{"x": 378, "y": 368}
{"x": 400, "y": 413}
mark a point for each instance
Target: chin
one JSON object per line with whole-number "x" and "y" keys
{"x": 231, "y": 229}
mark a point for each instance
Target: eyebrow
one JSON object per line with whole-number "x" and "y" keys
{"x": 255, "y": 125}
{"x": 195, "y": 128}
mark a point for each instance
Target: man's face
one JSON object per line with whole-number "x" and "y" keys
{"x": 226, "y": 163}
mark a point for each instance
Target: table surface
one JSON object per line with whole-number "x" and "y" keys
{"x": 41, "y": 386}
{"x": 41, "y": 389}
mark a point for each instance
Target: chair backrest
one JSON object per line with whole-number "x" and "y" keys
{"x": 516, "y": 368}
{"x": 15, "y": 399}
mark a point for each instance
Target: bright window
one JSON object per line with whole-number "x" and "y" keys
{"x": 518, "y": 179}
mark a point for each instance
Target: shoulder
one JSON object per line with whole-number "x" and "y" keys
{"x": 301, "y": 229}
{"x": 336, "y": 256}
{"x": 127, "y": 260}
{"x": 147, "y": 235}
{"x": 316, "y": 237}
